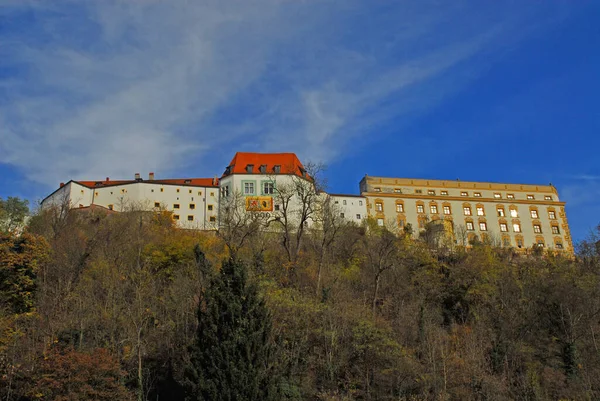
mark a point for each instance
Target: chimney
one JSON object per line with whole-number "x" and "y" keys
{"x": 62, "y": 184}
{"x": 151, "y": 176}
{"x": 107, "y": 179}
{"x": 137, "y": 176}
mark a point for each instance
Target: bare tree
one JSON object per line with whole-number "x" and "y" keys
{"x": 237, "y": 223}
{"x": 328, "y": 224}
{"x": 297, "y": 202}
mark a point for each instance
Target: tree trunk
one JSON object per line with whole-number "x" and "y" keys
{"x": 376, "y": 291}
{"x": 140, "y": 377}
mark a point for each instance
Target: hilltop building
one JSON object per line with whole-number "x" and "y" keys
{"x": 511, "y": 215}
{"x": 193, "y": 201}
{"x": 516, "y": 215}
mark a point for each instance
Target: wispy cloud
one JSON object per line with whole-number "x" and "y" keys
{"x": 89, "y": 89}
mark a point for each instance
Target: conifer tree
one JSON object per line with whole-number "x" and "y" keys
{"x": 230, "y": 357}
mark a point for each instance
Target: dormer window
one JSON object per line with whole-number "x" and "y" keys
{"x": 187, "y": 181}
{"x": 277, "y": 168}
{"x": 227, "y": 170}
{"x": 98, "y": 183}
{"x": 263, "y": 168}
{"x": 249, "y": 168}
{"x": 302, "y": 172}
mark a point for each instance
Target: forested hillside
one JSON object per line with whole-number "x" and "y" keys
{"x": 100, "y": 306}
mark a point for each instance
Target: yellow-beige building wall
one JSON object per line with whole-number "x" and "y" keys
{"x": 514, "y": 215}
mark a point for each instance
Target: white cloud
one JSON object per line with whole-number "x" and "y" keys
{"x": 109, "y": 88}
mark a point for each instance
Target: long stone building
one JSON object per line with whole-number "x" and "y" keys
{"x": 511, "y": 215}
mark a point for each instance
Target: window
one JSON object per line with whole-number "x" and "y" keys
{"x": 200, "y": 192}
{"x": 192, "y": 206}
{"x": 177, "y": 190}
{"x": 358, "y": 217}
{"x": 248, "y": 188}
{"x": 377, "y": 189}
{"x": 156, "y": 204}
{"x": 519, "y": 243}
{"x": 445, "y": 193}
{"x": 464, "y": 194}
{"x": 212, "y": 194}
{"x": 500, "y": 212}
{"x": 344, "y": 202}
{"x": 212, "y": 219}
{"x": 420, "y": 209}
{"x": 110, "y": 207}
{"x": 534, "y": 214}
{"x": 175, "y": 217}
{"x": 276, "y": 208}
{"x": 249, "y": 168}
{"x": 378, "y": 206}
{"x": 517, "y": 227}
{"x": 559, "y": 245}
{"x": 401, "y": 223}
{"x": 277, "y": 168}
{"x": 433, "y": 209}
{"x": 530, "y": 197}
{"x": 483, "y": 226}
{"x": 480, "y": 211}
{"x": 418, "y": 191}
{"x": 503, "y": 227}
{"x": 540, "y": 243}
{"x": 380, "y": 222}
{"x": 360, "y": 203}
{"x": 470, "y": 226}
{"x": 514, "y": 213}
{"x": 555, "y": 230}
{"x": 189, "y": 191}
{"x": 342, "y": 215}
{"x": 510, "y": 196}
{"x": 477, "y": 194}
{"x": 497, "y": 195}
{"x": 268, "y": 188}
{"x": 263, "y": 168}
{"x": 552, "y": 214}
{"x": 537, "y": 229}
{"x": 547, "y": 197}
{"x": 506, "y": 241}
{"x": 399, "y": 207}
{"x": 190, "y": 218}
{"x": 210, "y": 208}
{"x": 447, "y": 210}
{"x": 176, "y": 206}
{"x": 397, "y": 190}
{"x": 122, "y": 191}
{"x": 431, "y": 192}
{"x": 467, "y": 210}
{"x": 225, "y": 191}
{"x": 162, "y": 190}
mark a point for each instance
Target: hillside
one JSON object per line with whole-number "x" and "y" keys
{"x": 106, "y": 306}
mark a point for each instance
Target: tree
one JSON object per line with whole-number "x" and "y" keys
{"x": 231, "y": 355}
{"x": 12, "y": 214}
{"x": 72, "y": 376}
{"x": 329, "y": 222}
{"x": 380, "y": 249}
{"x": 20, "y": 258}
{"x": 236, "y": 224}
{"x": 297, "y": 200}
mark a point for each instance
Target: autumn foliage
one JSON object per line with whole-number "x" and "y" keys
{"x": 99, "y": 306}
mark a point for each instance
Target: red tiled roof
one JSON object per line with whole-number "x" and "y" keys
{"x": 197, "y": 182}
{"x": 287, "y": 162}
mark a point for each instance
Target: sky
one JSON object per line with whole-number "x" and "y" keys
{"x": 502, "y": 91}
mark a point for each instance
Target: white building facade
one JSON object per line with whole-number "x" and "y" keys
{"x": 193, "y": 202}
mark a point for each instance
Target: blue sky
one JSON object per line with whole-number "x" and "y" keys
{"x": 477, "y": 90}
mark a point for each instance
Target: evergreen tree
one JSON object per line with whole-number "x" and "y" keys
{"x": 230, "y": 358}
